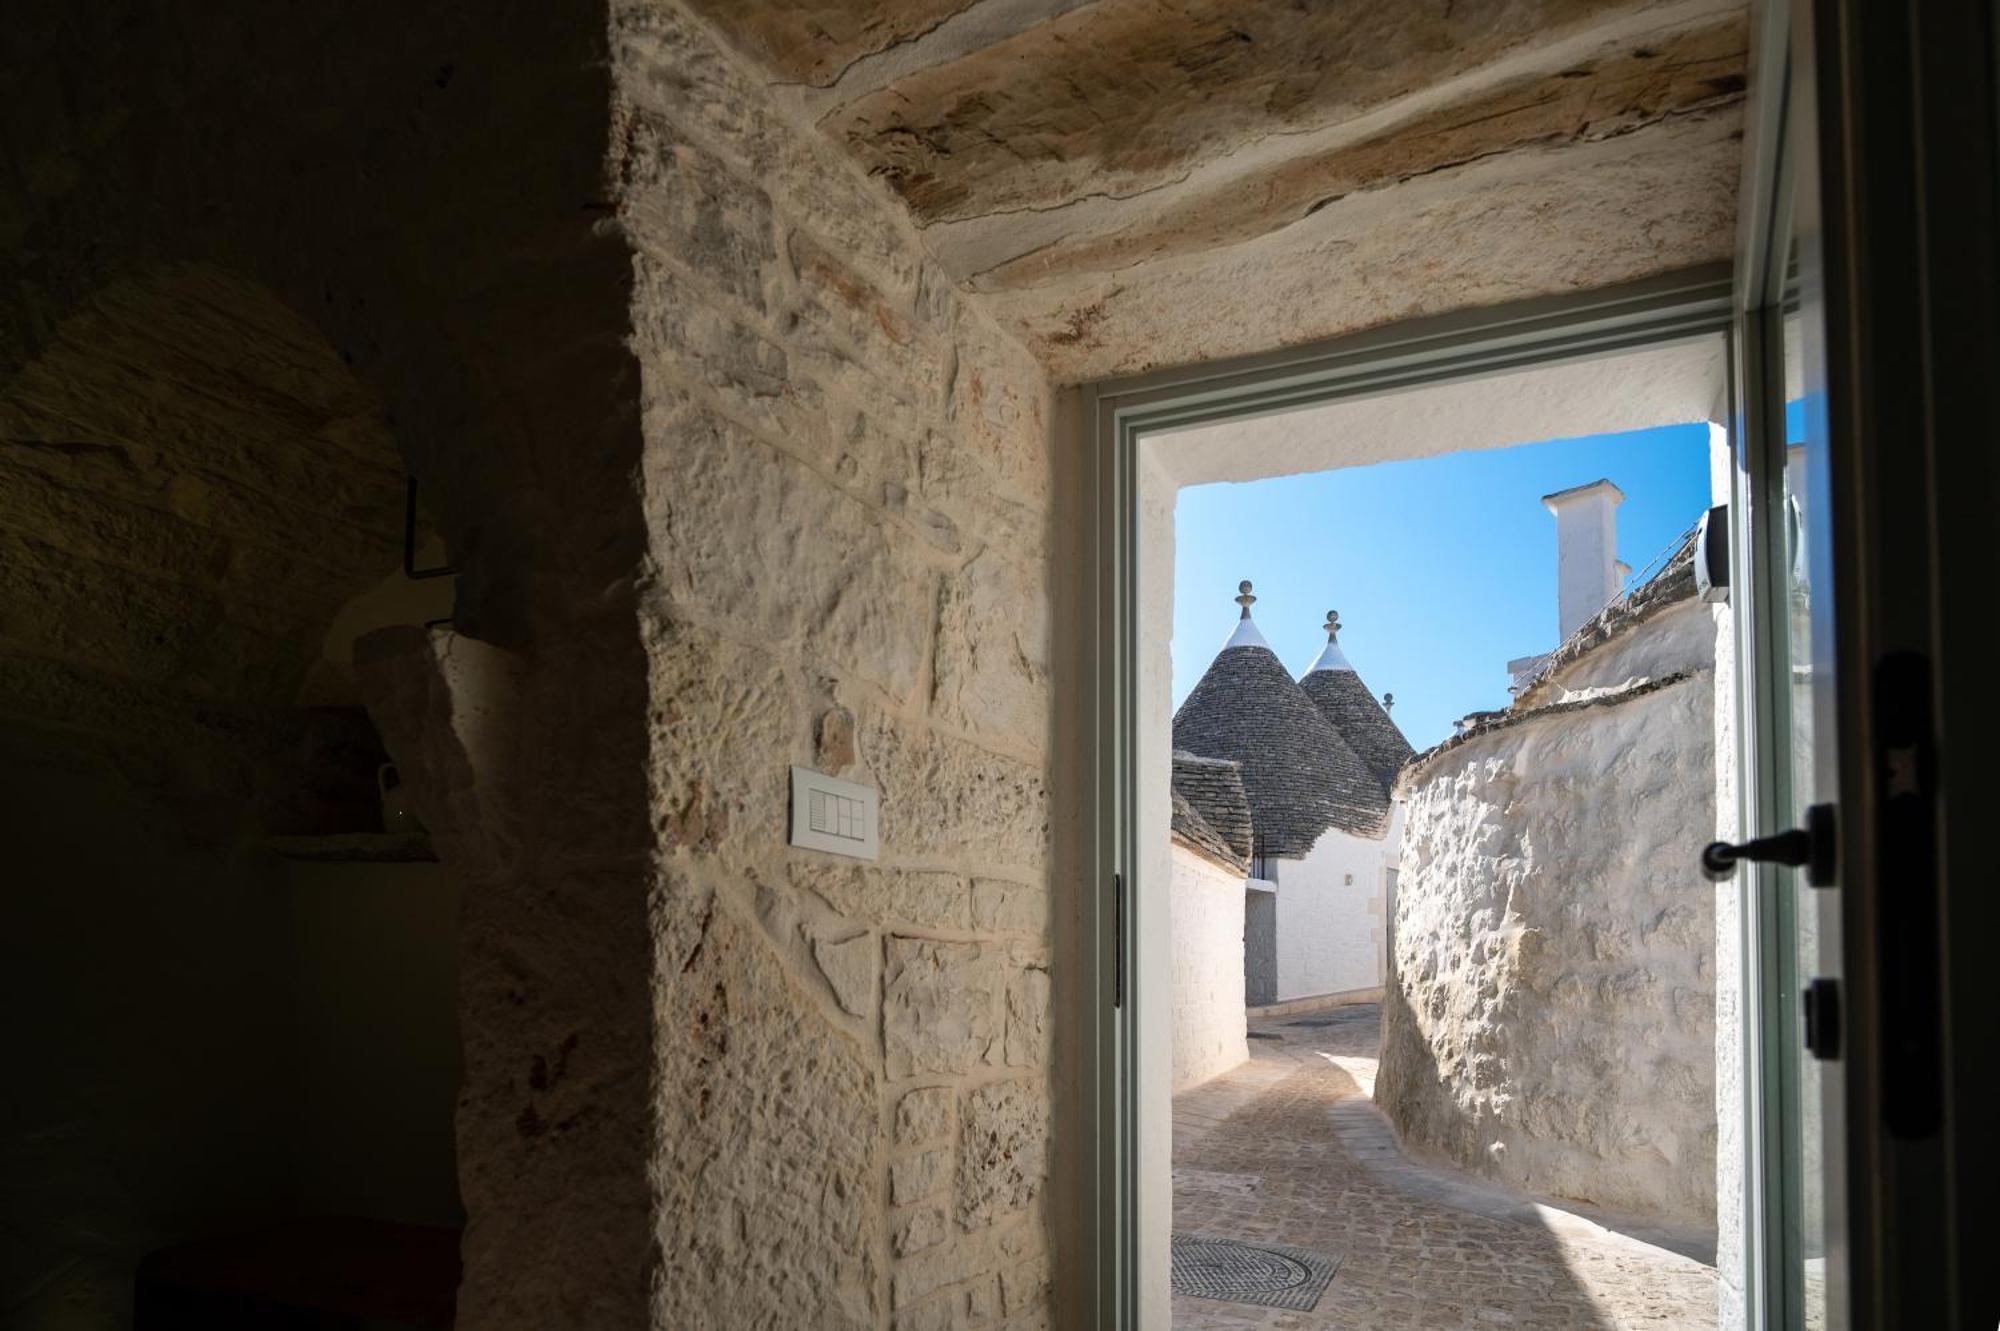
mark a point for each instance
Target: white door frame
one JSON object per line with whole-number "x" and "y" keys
{"x": 1109, "y": 422}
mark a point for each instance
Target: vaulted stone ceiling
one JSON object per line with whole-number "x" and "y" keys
{"x": 1134, "y": 183}
{"x": 191, "y": 484}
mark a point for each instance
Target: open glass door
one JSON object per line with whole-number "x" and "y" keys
{"x": 1900, "y": 284}
{"x": 1783, "y": 535}
{"x": 1789, "y": 902}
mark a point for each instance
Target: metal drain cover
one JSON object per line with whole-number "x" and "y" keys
{"x": 1266, "y": 1274}
{"x": 1263, "y": 1035}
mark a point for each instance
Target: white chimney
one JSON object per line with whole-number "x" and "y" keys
{"x": 1586, "y": 550}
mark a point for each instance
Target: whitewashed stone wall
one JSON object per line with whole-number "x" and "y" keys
{"x": 1209, "y": 1026}
{"x": 1331, "y": 920}
{"x": 847, "y": 494}
{"x": 1551, "y": 1020}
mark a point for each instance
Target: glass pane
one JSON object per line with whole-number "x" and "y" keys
{"x": 1805, "y": 913}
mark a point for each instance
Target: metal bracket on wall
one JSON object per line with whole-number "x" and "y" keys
{"x": 1711, "y": 559}
{"x": 410, "y": 569}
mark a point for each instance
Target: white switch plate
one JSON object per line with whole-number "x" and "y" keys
{"x": 835, "y": 815}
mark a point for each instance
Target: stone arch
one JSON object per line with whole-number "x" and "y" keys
{"x": 424, "y": 189}
{"x": 198, "y": 483}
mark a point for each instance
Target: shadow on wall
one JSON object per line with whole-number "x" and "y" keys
{"x": 1555, "y": 1029}
{"x": 153, "y": 1039}
{"x": 194, "y": 484}
{"x": 1410, "y": 1094}
{"x": 247, "y": 259}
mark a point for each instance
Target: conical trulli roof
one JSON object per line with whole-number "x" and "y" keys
{"x": 1211, "y": 812}
{"x": 1353, "y": 711}
{"x": 1299, "y": 775}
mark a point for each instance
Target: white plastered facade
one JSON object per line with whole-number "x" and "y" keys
{"x": 1331, "y": 913}
{"x": 1209, "y": 1027}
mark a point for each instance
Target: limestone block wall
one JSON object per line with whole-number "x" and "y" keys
{"x": 1551, "y": 1018}
{"x": 1208, "y": 927}
{"x": 846, "y": 477}
{"x": 734, "y": 480}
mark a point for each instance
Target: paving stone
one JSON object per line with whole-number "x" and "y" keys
{"x": 1287, "y": 1149}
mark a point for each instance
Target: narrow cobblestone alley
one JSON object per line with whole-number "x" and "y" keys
{"x": 1288, "y": 1149}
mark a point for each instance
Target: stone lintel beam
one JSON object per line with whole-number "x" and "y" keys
{"x": 1120, "y": 97}
{"x": 1602, "y": 96}
{"x": 816, "y": 42}
{"x": 1537, "y": 221}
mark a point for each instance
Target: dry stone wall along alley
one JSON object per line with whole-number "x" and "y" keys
{"x": 1551, "y": 1021}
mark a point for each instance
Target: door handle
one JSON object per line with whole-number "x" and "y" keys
{"x": 1811, "y": 847}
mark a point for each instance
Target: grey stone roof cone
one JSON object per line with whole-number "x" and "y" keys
{"x": 1336, "y": 689}
{"x": 1299, "y": 776}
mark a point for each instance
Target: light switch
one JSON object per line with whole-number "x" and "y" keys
{"x": 834, "y": 815}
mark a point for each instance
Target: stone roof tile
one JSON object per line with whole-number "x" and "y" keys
{"x": 1353, "y": 711}
{"x": 1211, "y": 812}
{"x": 1336, "y": 689}
{"x": 1299, "y": 775}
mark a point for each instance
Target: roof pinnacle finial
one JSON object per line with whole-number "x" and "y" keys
{"x": 1244, "y": 598}
{"x": 1332, "y": 624}
{"x": 1388, "y": 702}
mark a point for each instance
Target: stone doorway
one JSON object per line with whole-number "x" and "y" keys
{"x": 1570, "y": 1178}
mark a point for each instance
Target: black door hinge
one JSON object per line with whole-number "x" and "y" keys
{"x": 1118, "y": 940}
{"x": 1822, "y": 1011}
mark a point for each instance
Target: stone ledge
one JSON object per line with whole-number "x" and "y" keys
{"x": 1508, "y": 719}
{"x": 1314, "y": 1003}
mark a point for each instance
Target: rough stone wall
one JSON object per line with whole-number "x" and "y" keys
{"x": 846, "y": 477}
{"x": 1551, "y": 1021}
{"x": 1208, "y": 924}
{"x": 734, "y": 480}
{"x": 1681, "y": 635}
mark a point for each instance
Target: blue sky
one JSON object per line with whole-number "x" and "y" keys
{"x": 1443, "y": 569}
